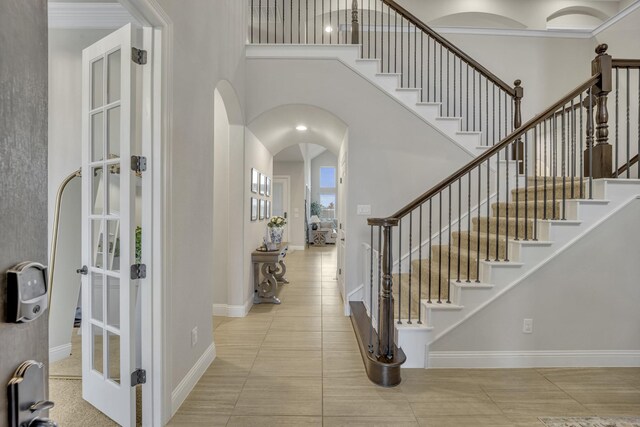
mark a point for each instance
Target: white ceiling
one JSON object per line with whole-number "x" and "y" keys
{"x": 276, "y": 128}
{"x": 290, "y": 154}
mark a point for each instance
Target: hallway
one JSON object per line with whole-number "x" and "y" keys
{"x": 298, "y": 364}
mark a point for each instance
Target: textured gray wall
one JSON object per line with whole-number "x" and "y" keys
{"x": 23, "y": 170}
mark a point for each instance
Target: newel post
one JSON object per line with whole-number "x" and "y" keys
{"x": 602, "y": 151}
{"x": 518, "y": 145}
{"x": 355, "y": 27}
{"x": 385, "y": 296}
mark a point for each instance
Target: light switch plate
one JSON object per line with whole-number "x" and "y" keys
{"x": 364, "y": 210}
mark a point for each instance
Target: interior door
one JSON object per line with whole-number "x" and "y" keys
{"x": 280, "y": 206}
{"x": 108, "y": 220}
{"x": 342, "y": 224}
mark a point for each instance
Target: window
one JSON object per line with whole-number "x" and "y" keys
{"x": 327, "y": 192}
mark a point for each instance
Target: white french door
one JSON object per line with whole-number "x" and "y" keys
{"x": 108, "y": 226}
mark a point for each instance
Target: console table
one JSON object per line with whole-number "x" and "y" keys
{"x": 271, "y": 264}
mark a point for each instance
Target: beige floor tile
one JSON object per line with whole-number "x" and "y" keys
{"x": 359, "y": 397}
{"x": 339, "y": 341}
{"x": 219, "y": 320}
{"x": 407, "y": 421}
{"x": 293, "y": 289}
{"x": 233, "y": 361}
{"x": 531, "y": 396}
{"x": 301, "y": 299}
{"x": 280, "y": 396}
{"x": 606, "y": 396}
{"x": 187, "y": 420}
{"x": 287, "y": 363}
{"x": 332, "y": 300}
{"x": 564, "y": 407}
{"x": 214, "y": 395}
{"x": 290, "y": 340}
{"x": 614, "y": 409}
{"x": 466, "y": 407}
{"x": 273, "y": 421}
{"x": 333, "y": 310}
{"x": 466, "y": 421}
{"x": 255, "y": 324}
{"x": 342, "y": 364}
{"x": 337, "y": 324}
{"x": 299, "y": 324}
{"x": 299, "y": 310}
{"x": 238, "y": 338}
{"x": 441, "y": 391}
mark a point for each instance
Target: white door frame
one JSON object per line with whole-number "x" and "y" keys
{"x": 286, "y": 178}
{"x": 156, "y": 142}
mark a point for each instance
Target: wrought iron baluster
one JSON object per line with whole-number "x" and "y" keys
{"x": 420, "y": 268}
{"x": 430, "y": 247}
{"x": 459, "y": 225}
{"x": 449, "y": 257}
{"x": 410, "y": 267}
{"x": 479, "y": 222}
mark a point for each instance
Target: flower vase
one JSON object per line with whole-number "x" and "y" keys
{"x": 276, "y": 234}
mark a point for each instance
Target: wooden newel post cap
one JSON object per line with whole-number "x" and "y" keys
{"x": 601, "y": 49}
{"x": 383, "y": 222}
{"x": 519, "y": 90}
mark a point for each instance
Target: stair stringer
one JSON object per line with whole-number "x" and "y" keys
{"x": 526, "y": 257}
{"x": 388, "y": 83}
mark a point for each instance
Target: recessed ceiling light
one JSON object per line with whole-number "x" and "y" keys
{"x": 301, "y": 128}
{"x": 328, "y": 29}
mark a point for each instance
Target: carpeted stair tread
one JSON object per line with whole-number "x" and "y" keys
{"x": 503, "y": 224}
{"x": 494, "y": 240}
{"x": 529, "y": 209}
{"x": 571, "y": 191}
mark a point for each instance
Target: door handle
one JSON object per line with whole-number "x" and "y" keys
{"x": 84, "y": 270}
{"x": 342, "y": 239}
{"x": 285, "y": 215}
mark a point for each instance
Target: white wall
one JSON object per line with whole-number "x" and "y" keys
{"x": 574, "y": 303}
{"x": 325, "y": 159}
{"x": 208, "y": 46}
{"x": 392, "y": 156}
{"x": 258, "y": 157}
{"x": 621, "y": 37}
{"x": 295, "y": 171}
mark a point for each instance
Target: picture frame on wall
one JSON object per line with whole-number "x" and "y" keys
{"x": 254, "y": 180}
{"x": 263, "y": 206}
{"x": 268, "y": 189}
{"x": 263, "y": 184}
{"x": 254, "y": 209}
{"x": 268, "y": 215}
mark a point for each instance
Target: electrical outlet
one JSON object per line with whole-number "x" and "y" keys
{"x": 527, "y": 326}
{"x": 194, "y": 336}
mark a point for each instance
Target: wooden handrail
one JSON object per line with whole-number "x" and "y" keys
{"x": 450, "y": 46}
{"x": 625, "y": 63}
{"x": 550, "y": 111}
{"x": 626, "y": 166}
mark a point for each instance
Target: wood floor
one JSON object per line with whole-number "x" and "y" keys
{"x": 298, "y": 364}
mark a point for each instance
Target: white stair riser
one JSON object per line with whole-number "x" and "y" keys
{"x": 408, "y": 96}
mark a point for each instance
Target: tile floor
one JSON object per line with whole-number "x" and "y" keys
{"x": 298, "y": 364}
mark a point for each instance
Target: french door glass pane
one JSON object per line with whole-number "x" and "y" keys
{"x": 113, "y": 194}
{"x": 113, "y": 302}
{"x": 97, "y": 231}
{"x": 97, "y": 137}
{"x": 113, "y": 133}
{"x": 113, "y": 245}
{"x": 97, "y": 184}
{"x": 97, "y": 358}
{"x": 113, "y": 77}
{"x": 97, "y": 287}
{"x": 113, "y": 341}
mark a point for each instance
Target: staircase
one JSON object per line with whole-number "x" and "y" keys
{"x": 531, "y": 192}
{"x": 401, "y": 56}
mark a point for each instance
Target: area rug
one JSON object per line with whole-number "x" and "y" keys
{"x": 592, "y": 422}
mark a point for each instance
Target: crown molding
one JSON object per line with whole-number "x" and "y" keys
{"x": 508, "y": 32}
{"x": 615, "y": 18}
{"x": 98, "y": 16}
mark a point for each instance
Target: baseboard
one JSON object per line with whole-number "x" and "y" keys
{"x": 228, "y": 310}
{"x": 534, "y": 359}
{"x": 296, "y": 248}
{"x": 59, "y": 352}
{"x": 180, "y": 393}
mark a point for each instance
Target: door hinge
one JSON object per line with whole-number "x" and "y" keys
{"x": 340, "y": 271}
{"x": 139, "y": 376}
{"x": 138, "y": 271}
{"x": 138, "y": 164}
{"x": 139, "y": 56}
